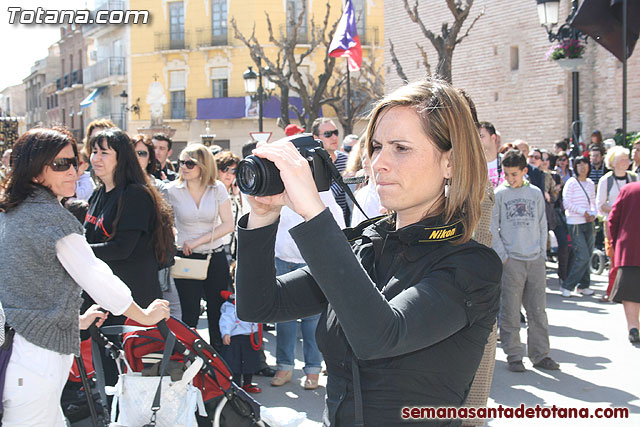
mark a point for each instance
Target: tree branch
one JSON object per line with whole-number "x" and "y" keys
{"x": 396, "y": 63}
{"x": 470, "y": 27}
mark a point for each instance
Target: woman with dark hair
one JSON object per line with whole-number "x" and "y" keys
{"x": 579, "y": 199}
{"x": 42, "y": 278}
{"x": 128, "y": 224}
{"x": 147, "y": 158}
{"x": 407, "y": 302}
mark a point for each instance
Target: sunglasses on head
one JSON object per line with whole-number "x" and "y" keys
{"x": 328, "y": 133}
{"x": 142, "y": 153}
{"x": 63, "y": 164}
{"x": 229, "y": 169}
{"x": 189, "y": 164}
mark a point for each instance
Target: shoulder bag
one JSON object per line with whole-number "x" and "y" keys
{"x": 190, "y": 268}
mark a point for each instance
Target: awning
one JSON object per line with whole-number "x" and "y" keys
{"x": 93, "y": 95}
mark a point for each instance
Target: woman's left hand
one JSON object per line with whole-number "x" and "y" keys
{"x": 301, "y": 194}
{"x": 91, "y": 315}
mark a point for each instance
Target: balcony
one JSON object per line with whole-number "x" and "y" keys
{"x": 172, "y": 41}
{"x": 371, "y": 36}
{"x": 59, "y": 85}
{"x": 205, "y": 37}
{"x": 109, "y": 67}
{"x": 67, "y": 80}
{"x": 178, "y": 111}
{"x": 76, "y": 77}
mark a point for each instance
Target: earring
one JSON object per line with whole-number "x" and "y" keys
{"x": 447, "y": 188}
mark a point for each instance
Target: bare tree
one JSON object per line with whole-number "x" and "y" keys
{"x": 286, "y": 66}
{"x": 366, "y": 87}
{"x": 445, "y": 42}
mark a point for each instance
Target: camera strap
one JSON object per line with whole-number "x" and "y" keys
{"x": 337, "y": 177}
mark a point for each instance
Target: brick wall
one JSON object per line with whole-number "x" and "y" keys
{"x": 533, "y": 102}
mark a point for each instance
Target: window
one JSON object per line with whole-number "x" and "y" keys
{"x": 64, "y": 118}
{"x": 360, "y": 11}
{"x": 55, "y": 97}
{"x": 176, "y": 25}
{"x": 294, "y": 8}
{"x": 515, "y": 58}
{"x": 178, "y": 110}
{"x": 219, "y": 88}
{"x": 177, "y": 86}
{"x": 219, "y": 22}
{"x": 224, "y": 143}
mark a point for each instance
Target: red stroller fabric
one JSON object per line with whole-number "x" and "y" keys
{"x": 142, "y": 343}
{"x": 85, "y": 352}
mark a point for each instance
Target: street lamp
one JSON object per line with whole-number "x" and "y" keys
{"x": 124, "y": 109}
{"x": 548, "y": 11}
{"x": 255, "y": 86}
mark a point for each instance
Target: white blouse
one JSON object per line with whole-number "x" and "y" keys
{"x": 193, "y": 221}
{"x": 92, "y": 274}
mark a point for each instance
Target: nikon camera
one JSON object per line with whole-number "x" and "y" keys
{"x": 260, "y": 177}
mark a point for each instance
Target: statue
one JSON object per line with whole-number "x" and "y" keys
{"x": 156, "y": 100}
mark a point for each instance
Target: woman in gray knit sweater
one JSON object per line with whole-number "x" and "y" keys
{"x": 46, "y": 264}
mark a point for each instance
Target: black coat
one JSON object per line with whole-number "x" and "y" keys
{"x": 414, "y": 309}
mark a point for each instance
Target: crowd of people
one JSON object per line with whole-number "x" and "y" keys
{"x": 366, "y": 305}
{"x": 540, "y": 192}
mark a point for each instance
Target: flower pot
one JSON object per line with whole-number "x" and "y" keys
{"x": 570, "y": 64}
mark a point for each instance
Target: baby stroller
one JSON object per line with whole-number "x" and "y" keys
{"x": 226, "y": 403}
{"x": 599, "y": 259}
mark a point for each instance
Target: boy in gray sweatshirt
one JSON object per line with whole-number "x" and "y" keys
{"x": 519, "y": 229}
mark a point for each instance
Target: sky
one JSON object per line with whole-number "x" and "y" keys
{"x": 23, "y": 44}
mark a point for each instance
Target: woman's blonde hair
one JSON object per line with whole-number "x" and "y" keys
{"x": 448, "y": 123}
{"x": 613, "y": 153}
{"x": 204, "y": 159}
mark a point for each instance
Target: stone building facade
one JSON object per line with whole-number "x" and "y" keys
{"x": 502, "y": 65}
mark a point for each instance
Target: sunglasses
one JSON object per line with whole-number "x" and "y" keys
{"x": 328, "y": 133}
{"x": 142, "y": 153}
{"x": 63, "y": 164}
{"x": 562, "y": 159}
{"x": 229, "y": 169}
{"x": 189, "y": 164}
{"x": 534, "y": 156}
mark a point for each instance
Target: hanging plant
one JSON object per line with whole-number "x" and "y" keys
{"x": 566, "y": 49}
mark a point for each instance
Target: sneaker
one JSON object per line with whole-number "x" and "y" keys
{"x": 634, "y": 335}
{"x": 586, "y": 291}
{"x": 566, "y": 293}
{"x": 547, "y": 363}
{"x": 516, "y": 366}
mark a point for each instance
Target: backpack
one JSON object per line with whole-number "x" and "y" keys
{"x": 631, "y": 177}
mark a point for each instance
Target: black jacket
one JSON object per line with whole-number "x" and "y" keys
{"x": 414, "y": 309}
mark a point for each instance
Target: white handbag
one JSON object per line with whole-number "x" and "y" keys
{"x": 189, "y": 268}
{"x": 134, "y": 395}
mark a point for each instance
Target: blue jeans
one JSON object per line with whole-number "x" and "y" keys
{"x": 583, "y": 239}
{"x": 287, "y": 335}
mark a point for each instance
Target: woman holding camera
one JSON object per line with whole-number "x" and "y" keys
{"x": 406, "y": 302}
{"x": 46, "y": 264}
{"x": 203, "y": 217}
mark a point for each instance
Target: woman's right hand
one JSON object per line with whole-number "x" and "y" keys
{"x": 156, "y": 311}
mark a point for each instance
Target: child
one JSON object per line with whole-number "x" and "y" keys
{"x": 519, "y": 229}
{"x": 241, "y": 344}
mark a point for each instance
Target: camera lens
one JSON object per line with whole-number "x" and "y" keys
{"x": 258, "y": 177}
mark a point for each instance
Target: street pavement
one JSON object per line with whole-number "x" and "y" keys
{"x": 599, "y": 367}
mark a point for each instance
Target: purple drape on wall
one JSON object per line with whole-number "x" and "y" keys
{"x": 239, "y": 107}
